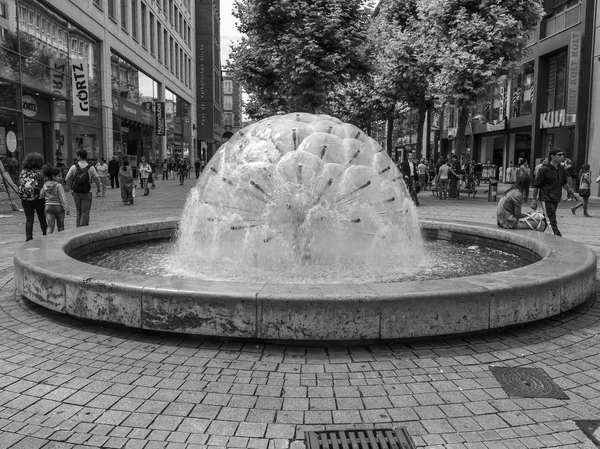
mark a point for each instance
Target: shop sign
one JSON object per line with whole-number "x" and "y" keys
{"x": 11, "y": 141}
{"x": 489, "y": 127}
{"x": 59, "y": 76}
{"x": 574, "y": 64}
{"x": 160, "y": 117}
{"x": 555, "y": 119}
{"x": 80, "y": 87}
{"x": 2, "y": 141}
{"x": 30, "y": 107}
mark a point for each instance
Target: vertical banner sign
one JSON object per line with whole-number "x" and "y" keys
{"x": 59, "y": 75}
{"x": 80, "y": 87}
{"x": 502, "y": 99}
{"x": 160, "y": 115}
{"x": 574, "y": 64}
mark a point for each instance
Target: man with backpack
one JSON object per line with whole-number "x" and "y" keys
{"x": 80, "y": 178}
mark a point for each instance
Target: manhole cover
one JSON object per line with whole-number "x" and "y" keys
{"x": 590, "y": 428}
{"x": 527, "y": 383}
{"x": 360, "y": 439}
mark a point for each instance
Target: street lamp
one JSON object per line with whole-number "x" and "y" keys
{"x": 480, "y": 118}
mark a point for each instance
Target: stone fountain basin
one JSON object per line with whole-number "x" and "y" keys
{"x": 562, "y": 276}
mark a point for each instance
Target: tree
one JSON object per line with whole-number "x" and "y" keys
{"x": 294, "y": 53}
{"x": 403, "y": 70}
{"x": 475, "y": 44}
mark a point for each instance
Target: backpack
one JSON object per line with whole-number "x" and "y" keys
{"x": 30, "y": 185}
{"x": 81, "y": 180}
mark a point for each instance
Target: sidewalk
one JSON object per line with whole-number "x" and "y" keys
{"x": 71, "y": 384}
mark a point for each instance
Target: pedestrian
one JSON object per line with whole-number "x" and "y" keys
{"x": 127, "y": 185}
{"x": 153, "y": 174}
{"x": 422, "y": 171}
{"x": 172, "y": 168}
{"x": 31, "y": 181}
{"x": 102, "y": 170}
{"x": 454, "y": 176}
{"x": 165, "y": 170}
{"x": 80, "y": 178}
{"x": 113, "y": 171}
{"x": 182, "y": 171}
{"x": 56, "y": 201}
{"x": 585, "y": 184}
{"x": 144, "y": 170}
{"x": 549, "y": 182}
{"x": 509, "y": 213}
{"x": 442, "y": 180}
{"x": 202, "y": 165}
{"x": 197, "y": 165}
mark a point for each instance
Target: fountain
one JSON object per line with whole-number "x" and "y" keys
{"x": 313, "y": 222}
{"x": 299, "y": 198}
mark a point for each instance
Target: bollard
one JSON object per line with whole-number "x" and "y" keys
{"x": 493, "y": 190}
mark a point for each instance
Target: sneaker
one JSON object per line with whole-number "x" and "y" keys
{"x": 573, "y": 210}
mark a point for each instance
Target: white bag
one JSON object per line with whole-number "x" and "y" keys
{"x": 133, "y": 192}
{"x": 535, "y": 220}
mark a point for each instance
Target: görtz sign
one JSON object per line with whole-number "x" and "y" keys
{"x": 30, "y": 107}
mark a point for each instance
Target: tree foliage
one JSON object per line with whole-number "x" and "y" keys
{"x": 295, "y": 51}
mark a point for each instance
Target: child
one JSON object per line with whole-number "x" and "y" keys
{"x": 56, "y": 200}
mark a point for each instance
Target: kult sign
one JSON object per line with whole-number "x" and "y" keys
{"x": 80, "y": 87}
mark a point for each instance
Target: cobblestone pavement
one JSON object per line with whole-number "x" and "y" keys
{"x": 71, "y": 384}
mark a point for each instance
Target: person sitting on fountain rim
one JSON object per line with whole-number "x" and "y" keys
{"x": 550, "y": 180}
{"x": 509, "y": 214}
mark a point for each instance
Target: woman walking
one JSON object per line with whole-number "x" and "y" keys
{"x": 31, "y": 181}
{"x": 126, "y": 180}
{"x": 585, "y": 184}
{"x": 102, "y": 170}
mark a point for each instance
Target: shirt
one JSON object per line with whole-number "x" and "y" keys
{"x": 550, "y": 181}
{"x": 91, "y": 171}
{"x": 509, "y": 209}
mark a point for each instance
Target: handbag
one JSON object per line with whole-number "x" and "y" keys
{"x": 535, "y": 220}
{"x": 133, "y": 192}
{"x": 584, "y": 192}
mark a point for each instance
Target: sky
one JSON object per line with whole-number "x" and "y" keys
{"x": 229, "y": 32}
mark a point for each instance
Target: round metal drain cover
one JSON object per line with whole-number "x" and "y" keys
{"x": 527, "y": 383}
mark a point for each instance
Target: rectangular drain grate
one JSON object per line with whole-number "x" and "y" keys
{"x": 360, "y": 439}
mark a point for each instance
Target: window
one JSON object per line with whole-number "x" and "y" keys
{"x": 556, "y": 82}
{"x": 171, "y": 11}
{"x": 124, "y": 14}
{"x": 171, "y": 55}
{"x": 144, "y": 18}
{"x": 560, "y": 17}
{"x": 134, "y": 19}
{"x": 227, "y": 102}
{"x": 176, "y": 19}
{"x": 111, "y": 9}
{"x": 227, "y": 87}
{"x": 177, "y": 60}
{"x": 98, "y": 3}
{"x": 166, "y": 42}
{"x": 159, "y": 47}
{"x": 228, "y": 119}
{"x": 151, "y": 33}
{"x": 3, "y": 10}
{"x": 181, "y": 73}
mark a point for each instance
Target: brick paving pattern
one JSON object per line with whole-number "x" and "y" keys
{"x": 71, "y": 384}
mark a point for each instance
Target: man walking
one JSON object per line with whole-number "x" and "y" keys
{"x": 550, "y": 180}
{"x": 80, "y": 177}
{"x": 113, "y": 171}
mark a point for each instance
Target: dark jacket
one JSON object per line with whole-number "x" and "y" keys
{"x": 113, "y": 167}
{"x": 405, "y": 167}
{"x": 550, "y": 180}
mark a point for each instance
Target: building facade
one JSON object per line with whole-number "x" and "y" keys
{"x": 546, "y": 105}
{"x": 232, "y": 105}
{"x": 113, "y": 77}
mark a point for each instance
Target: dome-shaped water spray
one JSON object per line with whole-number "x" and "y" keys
{"x": 299, "y": 196}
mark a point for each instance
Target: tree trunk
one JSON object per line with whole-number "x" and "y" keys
{"x": 420, "y": 150}
{"x": 390, "y": 135}
{"x": 461, "y": 138}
